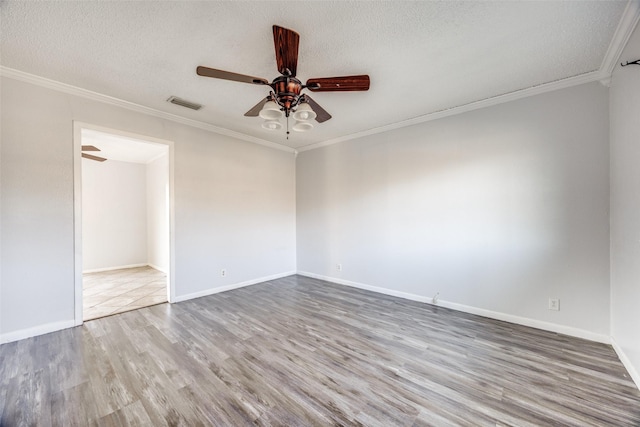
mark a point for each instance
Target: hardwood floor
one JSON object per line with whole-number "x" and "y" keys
{"x": 302, "y": 352}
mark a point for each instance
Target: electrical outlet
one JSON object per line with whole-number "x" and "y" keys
{"x": 223, "y": 272}
{"x": 339, "y": 267}
{"x": 554, "y": 304}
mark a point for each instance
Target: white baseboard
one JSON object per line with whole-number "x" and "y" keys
{"x": 161, "y": 270}
{"x": 399, "y": 294}
{"x": 56, "y": 326}
{"x": 120, "y": 267}
{"x": 35, "y": 331}
{"x": 633, "y": 373}
{"x": 538, "y": 324}
{"x": 533, "y": 323}
{"x": 180, "y": 298}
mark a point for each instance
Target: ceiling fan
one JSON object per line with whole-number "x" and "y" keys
{"x": 90, "y": 156}
{"x": 285, "y": 97}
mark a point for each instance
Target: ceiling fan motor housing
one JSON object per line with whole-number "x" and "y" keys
{"x": 287, "y": 90}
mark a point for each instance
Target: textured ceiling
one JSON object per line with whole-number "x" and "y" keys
{"x": 422, "y": 57}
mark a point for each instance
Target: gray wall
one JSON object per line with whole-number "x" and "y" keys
{"x": 497, "y": 209}
{"x": 234, "y": 205}
{"x": 158, "y": 213}
{"x": 114, "y": 214}
{"x": 625, "y": 207}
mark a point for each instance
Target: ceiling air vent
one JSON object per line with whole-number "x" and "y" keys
{"x": 181, "y": 102}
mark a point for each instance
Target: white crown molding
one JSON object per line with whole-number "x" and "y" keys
{"x": 501, "y": 99}
{"x": 95, "y": 96}
{"x": 512, "y": 96}
{"x": 626, "y": 26}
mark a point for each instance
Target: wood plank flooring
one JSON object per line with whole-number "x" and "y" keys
{"x": 302, "y": 352}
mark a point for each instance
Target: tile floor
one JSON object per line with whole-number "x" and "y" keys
{"x": 117, "y": 291}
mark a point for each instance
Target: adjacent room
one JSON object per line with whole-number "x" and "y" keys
{"x": 411, "y": 213}
{"x": 125, "y": 223}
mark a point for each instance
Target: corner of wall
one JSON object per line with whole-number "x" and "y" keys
{"x": 631, "y": 369}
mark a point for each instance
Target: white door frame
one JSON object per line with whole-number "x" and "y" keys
{"x": 77, "y": 208}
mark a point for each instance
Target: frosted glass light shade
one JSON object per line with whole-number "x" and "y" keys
{"x": 272, "y": 125}
{"x": 271, "y": 111}
{"x": 302, "y": 126}
{"x": 304, "y": 112}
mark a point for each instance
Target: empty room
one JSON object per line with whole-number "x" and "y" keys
{"x": 367, "y": 213}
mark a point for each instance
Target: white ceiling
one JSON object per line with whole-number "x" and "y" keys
{"x": 422, "y": 56}
{"x": 121, "y": 148}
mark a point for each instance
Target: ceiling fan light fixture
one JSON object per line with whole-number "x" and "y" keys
{"x": 272, "y": 125}
{"x": 285, "y": 98}
{"x": 270, "y": 111}
{"x": 304, "y": 112}
{"x": 302, "y": 126}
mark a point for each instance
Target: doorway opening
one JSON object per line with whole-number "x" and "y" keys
{"x": 123, "y": 221}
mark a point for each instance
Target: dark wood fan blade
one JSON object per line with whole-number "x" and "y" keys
{"x": 227, "y": 75}
{"x": 255, "y": 111}
{"x": 90, "y": 148}
{"x": 286, "y": 42}
{"x": 321, "y": 113}
{"x": 339, "y": 84}
{"x": 96, "y": 158}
